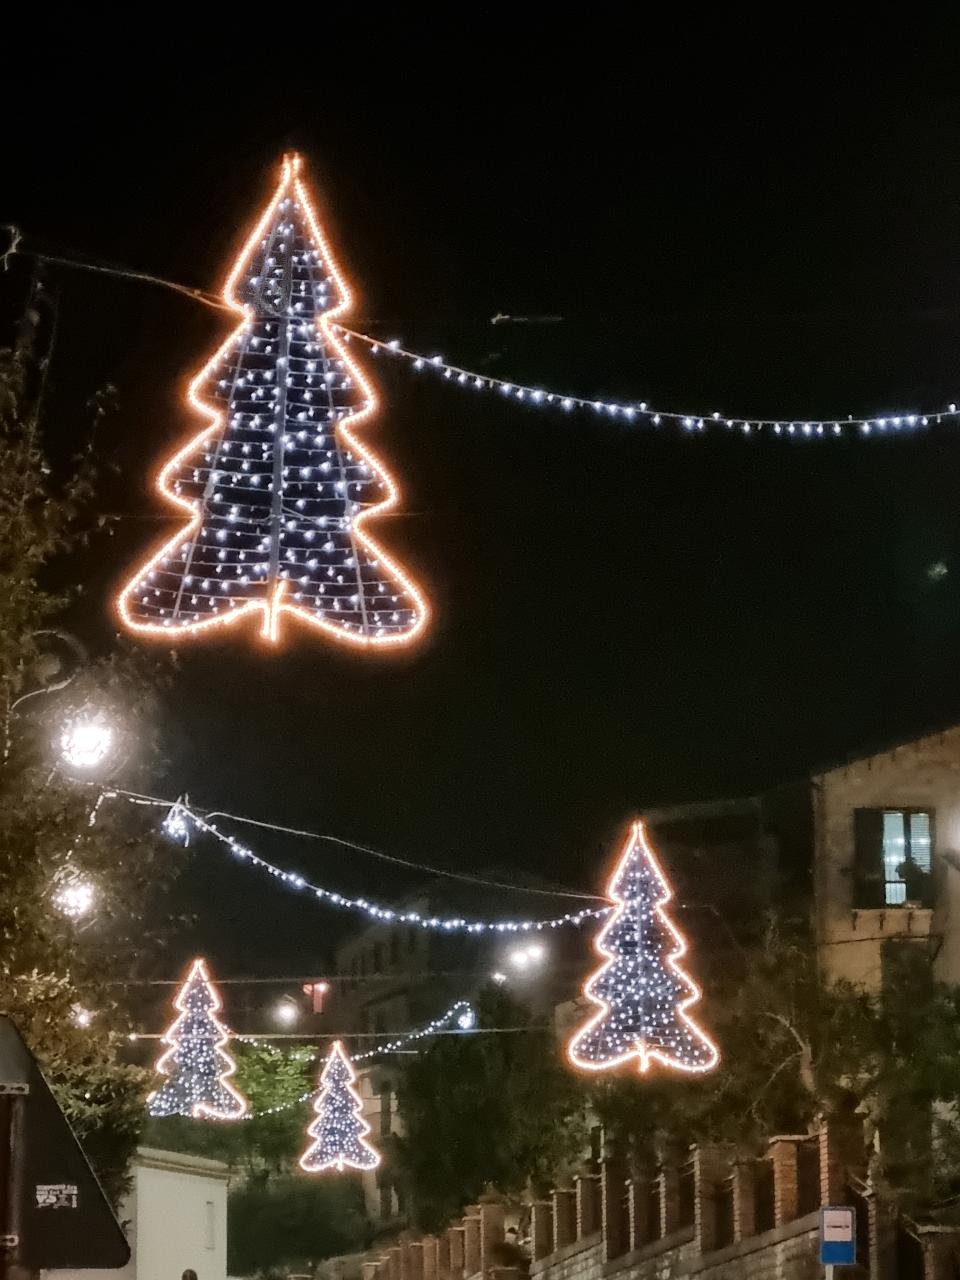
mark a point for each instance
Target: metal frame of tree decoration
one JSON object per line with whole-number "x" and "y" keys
{"x": 642, "y": 992}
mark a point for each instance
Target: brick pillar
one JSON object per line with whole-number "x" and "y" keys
{"x": 564, "y": 1217}
{"x": 841, "y": 1150}
{"x": 587, "y": 1187}
{"x": 491, "y": 1230}
{"x": 507, "y": 1273}
{"x": 368, "y": 1270}
{"x": 444, "y": 1269}
{"x": 471, "y": 1240}
{"x": 428, "y": 1249}
{"x": 941, "y": 1251}
{"x": 710, "y": 1167}
{"x": 414, "y": 1260}
{"x": 394, "y": 1254}
{"x": 669, "y": 1180}
{"x": 783, "y": 1155}
{"x": 455, "y": 1237}
{"x": 744, "y": 1200}
{"x": 638, "y": 1206}
{"x": 541, "y": 1228}
{"x": 614, "y": 1221}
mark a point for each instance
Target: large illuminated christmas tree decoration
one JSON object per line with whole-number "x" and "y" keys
{"x": 642, "y": 992}
{"x": 194, "y": 1058}
{"x": 339, "y": 1131}
{"x": 278, "y": 487}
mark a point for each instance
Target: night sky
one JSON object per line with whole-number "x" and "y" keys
{"x": 621, "y": 618}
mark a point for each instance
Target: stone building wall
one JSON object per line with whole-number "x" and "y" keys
{"x": 924, "y": 774}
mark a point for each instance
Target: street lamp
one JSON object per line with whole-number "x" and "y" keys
{"x": 528, "y": 957}
{"x": 87, "y": 741}
{"x": 286, "y": 1012}
{"x": 75, "y": 897}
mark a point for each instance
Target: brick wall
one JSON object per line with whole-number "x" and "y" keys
{"x": 773, "y": 1226}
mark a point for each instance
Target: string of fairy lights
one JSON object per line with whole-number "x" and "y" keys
{"x": 690, "y": 421}
{"x": 641, "y": 412}
{"x": 181, "y": 820}
{"x": 461, "y": 1017}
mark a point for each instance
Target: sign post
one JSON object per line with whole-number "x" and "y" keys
{"x": 838, "y": 1237}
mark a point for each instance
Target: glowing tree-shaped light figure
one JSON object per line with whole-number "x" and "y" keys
{"x": 339, "y": 1129}
{"x": 194, "y": 1059}
{"x": 278, "y": 487}
{"x": 641, "y": 989}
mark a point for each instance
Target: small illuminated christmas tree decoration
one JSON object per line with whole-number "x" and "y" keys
{"x": 194, "y": 1059}
{"x": 339, "y": 1129}
{"x": 278, "y": 487}
{"x": 642, "y": 991}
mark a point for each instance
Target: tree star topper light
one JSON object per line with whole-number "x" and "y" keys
{"x": 278, "y": 487}
{"x": 642, "y": 991}
{"x": 339, "y": 1129}
{"x": 195, "y": 1060}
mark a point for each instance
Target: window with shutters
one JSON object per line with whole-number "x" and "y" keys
{"x": 892, "y": 857}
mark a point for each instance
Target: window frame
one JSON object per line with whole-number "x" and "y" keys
{"x": 870, "y": 882}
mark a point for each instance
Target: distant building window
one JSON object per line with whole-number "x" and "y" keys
{"x": 210, "y": 1225}
{"x": 386, "y": 1111}
{"x": 892, "y": 857}
{"x": 377, "y": 957}
{"x": 395, "y": 949}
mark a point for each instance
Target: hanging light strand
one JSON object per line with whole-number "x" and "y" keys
{"x": 181, "y": 818}
{"x": 645, "y": 414}
{"x": 629, "y": 410}
{"x": 461, "y": 1014}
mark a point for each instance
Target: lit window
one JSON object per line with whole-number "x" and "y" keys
{"x": 892, "y": 857}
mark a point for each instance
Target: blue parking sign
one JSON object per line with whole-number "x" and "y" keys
{"x": 838, "y": 1235}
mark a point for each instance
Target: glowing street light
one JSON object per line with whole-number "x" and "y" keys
{"x": 528, "y": 957}
{"x": 87, "y": 741}
{"x": 75, "y": 898}
{"x": 286, "y": 1012}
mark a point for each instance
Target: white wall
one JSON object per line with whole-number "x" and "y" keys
{"x": 177, "y": 1213}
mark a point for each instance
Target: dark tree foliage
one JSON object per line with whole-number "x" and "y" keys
{"x": 50, "y": 965}
{"x": 479, "y": 1111}
{"x": 276, "y": 1225}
